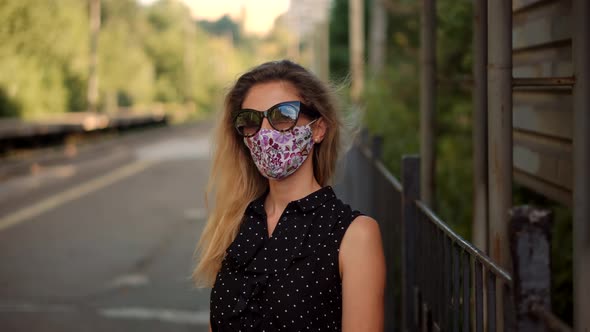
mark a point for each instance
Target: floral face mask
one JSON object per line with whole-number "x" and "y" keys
{"x": 279, "y": 154}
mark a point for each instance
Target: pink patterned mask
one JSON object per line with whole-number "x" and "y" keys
{"x": 279, "y": 154}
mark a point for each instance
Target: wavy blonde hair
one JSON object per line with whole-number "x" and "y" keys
{"x": 235, "y": 181}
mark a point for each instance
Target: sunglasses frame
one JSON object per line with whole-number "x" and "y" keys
{"x": 301, "y": 108}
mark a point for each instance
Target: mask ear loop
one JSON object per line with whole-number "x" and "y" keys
{"x": 316, "y": 151}
{"x": 309, "y": 125}
{"x": 315, "y": 142}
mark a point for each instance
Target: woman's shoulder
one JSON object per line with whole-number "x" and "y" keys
{"x": 360, "y": 228}
{"x": 361, "y": 242}
{"x": 355, "y": 221}
{"x": 363, "y": 228}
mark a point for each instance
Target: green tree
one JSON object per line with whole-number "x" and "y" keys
{"x": 124, "y": 67}
{"x": 42, "y": 47}
{"x": 224, "y": 26}
{"x": 147, "y": 54}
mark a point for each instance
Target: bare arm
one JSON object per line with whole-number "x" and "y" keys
{"x": 362, "y": 264}
{"x": 210, "y": 330}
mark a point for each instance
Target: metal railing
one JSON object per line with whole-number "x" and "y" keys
{"x": 436, "y": 280}
{"x": 452, "y": 279}
{"x": 364, "y": 182}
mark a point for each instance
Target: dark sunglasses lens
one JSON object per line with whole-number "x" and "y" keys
{"x": 284, "y": 116}
{"x": 247, "y": 123}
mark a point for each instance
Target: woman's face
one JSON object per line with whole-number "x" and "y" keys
{"x": 262, "y": 96}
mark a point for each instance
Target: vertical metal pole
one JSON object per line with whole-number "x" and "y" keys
{"x": 466, "y": 292}
{"x": 492, "y": 302}
{"x": 500, "y": 128}
{"x": 456, "y": 291}
{"x": 500, "y": 143}
{"x": 581, "y": 163}
{"x": 324, "y": 34}
{"x": 428, "y": 101}
{"x": 411, "y": 192}
{"x": 378, "y": 37}
{"x": 479, "y": 309}
{"x": 92, "y": 92}
{"x": 357, "y": 46}
{"x": 480, "y": 125}
{"x": 446, "y": 277}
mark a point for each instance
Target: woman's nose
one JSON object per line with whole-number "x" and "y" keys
{"x": 265, "y": 124}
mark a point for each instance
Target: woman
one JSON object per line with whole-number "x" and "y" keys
{"x": 280, "y": 249}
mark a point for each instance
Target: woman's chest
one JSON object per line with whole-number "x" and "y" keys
{"x": 310, "y": 285}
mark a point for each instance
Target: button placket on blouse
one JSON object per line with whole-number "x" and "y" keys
{"x": 290, "y": 240}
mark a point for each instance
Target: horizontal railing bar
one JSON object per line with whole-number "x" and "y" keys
{"x": 392, "y": 179}
{"x": 543, "y": 81}
{"x": 525, "y": 8}
{"x": 567, "y": 42}
{"x": 381, "y": 167}
{"x": 562, "y": 90}
{"x": 366, "y": 152}
{"x": 474, "y": 251}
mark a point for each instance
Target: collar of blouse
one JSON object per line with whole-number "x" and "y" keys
{"x": 302, "y": 227}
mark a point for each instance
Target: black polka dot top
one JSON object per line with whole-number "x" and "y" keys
{"x": 289, "y": 281}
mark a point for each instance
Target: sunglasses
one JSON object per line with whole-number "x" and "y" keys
{"x": 282, "y": 117}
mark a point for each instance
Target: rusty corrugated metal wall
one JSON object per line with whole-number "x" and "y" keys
{"x": 542, "y": 109}
{"x": 551, "y": 101}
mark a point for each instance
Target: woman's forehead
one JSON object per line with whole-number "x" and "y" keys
{"x": 262, "y": 96}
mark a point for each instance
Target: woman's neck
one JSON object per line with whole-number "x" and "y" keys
{"x": 294, "y": 187}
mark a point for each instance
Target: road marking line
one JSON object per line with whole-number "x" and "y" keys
{"x": 195, "y": 214}
{"x": 176, "y": 149}
{"x": 177, "y": 316}
{"x": 32, "y": 308}
{"x": 72, "y": 194}
{"x": 129, "y": 280}
{"x": 165, "y": 315}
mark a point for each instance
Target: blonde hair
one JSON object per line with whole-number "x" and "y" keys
{"x": 235, "y": 181}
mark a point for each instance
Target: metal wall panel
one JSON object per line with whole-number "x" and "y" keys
{"x": 542, "y": 115}
{"x": 543, "y": 24}
{"x": 550, "y": 60}
{"x": 543, "y": 158}
{"x": 546, "y": 112}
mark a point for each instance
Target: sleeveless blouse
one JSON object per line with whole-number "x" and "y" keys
{"x": 289, "y": 281}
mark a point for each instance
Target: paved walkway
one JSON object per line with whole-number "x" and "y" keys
{"x": 104, "y": 242}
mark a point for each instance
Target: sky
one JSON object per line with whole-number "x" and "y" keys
{"x": 260, "y": 14}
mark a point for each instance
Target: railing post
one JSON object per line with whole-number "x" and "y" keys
{"x": 410, "y": 193}
{"x": 363, "y": 187}
{"x": 376, "y": 145}
{"x": 375, "y": 200}
{"x": 364, "y": 137}
{"x": 530, "y": 245}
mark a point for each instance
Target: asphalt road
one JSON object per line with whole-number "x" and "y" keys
{"x": 104, "y": 242}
